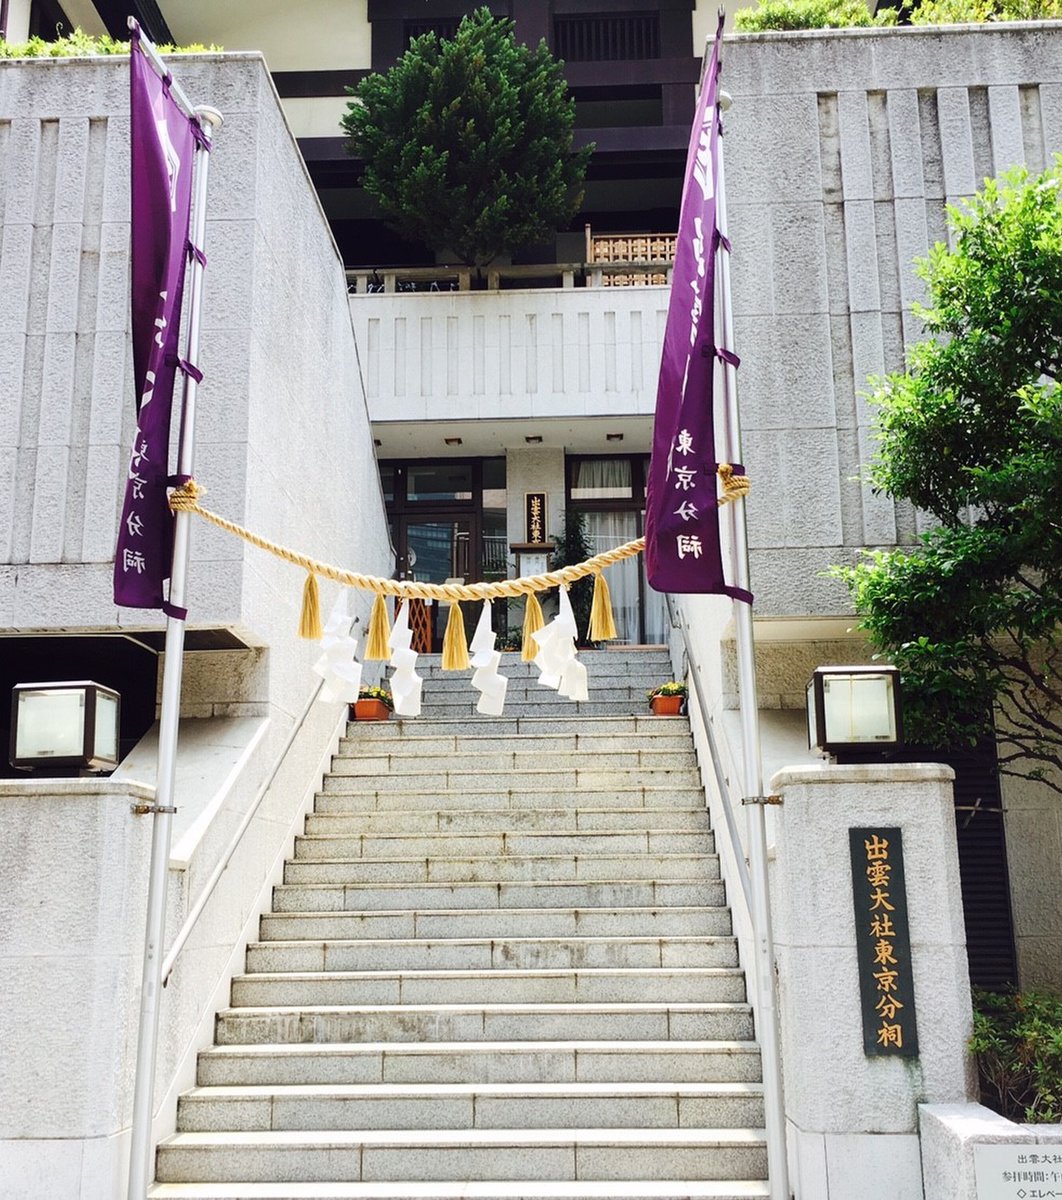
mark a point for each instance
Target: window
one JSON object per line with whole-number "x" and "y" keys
{"x": 447, "y": 480}
{"x": 601, "y": 479}
{"x": 607, "y": 37}
{"x": 609, "y": 490}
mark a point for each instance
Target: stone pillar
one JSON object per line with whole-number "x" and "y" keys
{"x": 853, "y": 1118}
{"x": 18, "y": 21}
{"x": 73, "y": 883}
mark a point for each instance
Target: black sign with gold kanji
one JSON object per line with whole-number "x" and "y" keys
{"x": 535, "y": 517}
{"x": 883, "y": 942}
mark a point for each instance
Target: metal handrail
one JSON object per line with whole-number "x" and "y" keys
{"x": 170, "y": 961}
{"x": 713, "y": 747}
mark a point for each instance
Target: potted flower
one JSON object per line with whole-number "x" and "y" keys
{"x": 666, "y": 699}
{"x": 373, "y": 704}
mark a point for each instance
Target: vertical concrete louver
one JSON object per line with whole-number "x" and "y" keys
{"x": 500, "y": 965}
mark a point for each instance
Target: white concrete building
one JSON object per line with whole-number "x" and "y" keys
{"x": 841, "y": 153}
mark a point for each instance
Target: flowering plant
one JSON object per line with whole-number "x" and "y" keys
{"x": 672, "y": 688}
{"x": 372, "y": 692}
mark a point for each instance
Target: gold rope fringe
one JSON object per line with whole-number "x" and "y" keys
{"x": 533, "y": 622}
{"x": 602, "y": 624}
{"x": 377, "y": 645}
{"x": 455, "y": 644}
{"x": 310, "y": 620}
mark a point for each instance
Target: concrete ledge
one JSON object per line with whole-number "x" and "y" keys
{"x": 949, "y": 1134}
{"x": 80, "y": 788}
{"x": 862, "y": 773}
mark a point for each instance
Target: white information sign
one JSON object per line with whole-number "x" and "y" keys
{"x": 1018, "y": 1172}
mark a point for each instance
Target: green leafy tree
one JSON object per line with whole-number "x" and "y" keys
{"x": 468, "y": 143}
{"x": 971, "y": 433}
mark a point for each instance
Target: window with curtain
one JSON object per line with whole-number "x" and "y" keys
{"x": 610, "y": 493}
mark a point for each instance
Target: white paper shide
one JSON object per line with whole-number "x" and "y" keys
{"x": 486, "y": 680}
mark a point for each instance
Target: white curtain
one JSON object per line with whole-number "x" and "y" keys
{"x": 602, "y": 479}
{"x": 606, "y": 530}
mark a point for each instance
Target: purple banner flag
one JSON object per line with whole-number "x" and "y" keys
{"x": 163, "y": 140}
{"x": 682, "y": 551}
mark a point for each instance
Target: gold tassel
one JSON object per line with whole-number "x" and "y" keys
{"x": 533, "y": 622}
{"x": 602, "y": 626}
{"x": 310, "y": 620}
{"x": 455, "y": 647}
{"x": 377, "y": 647}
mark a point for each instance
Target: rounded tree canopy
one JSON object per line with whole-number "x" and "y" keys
{"x": 468, "y": 143}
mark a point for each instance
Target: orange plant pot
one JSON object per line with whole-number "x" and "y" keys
{"x": 371, "y": 710}
{"x": 666, "y": 706}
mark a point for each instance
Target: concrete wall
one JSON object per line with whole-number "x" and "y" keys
{"x": 69, "y": 977}
{"x": 281, "y": 411}
{"x": 283, "y": 447}
{"x": 542, "y": 353}
{"x": 854, "y": 1117}
{"x": 841, "y": 150}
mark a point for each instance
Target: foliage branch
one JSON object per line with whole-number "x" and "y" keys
{"x": 1017, "y": 1041}
{"x": 85, "y": 45}
{"x": 783, "y": 15}
{"x": 468, "y": 142}
{"x": 971, "y": 433}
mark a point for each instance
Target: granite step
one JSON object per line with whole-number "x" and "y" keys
{"x": 460, "y": 1155}
{"x": 449, "y": 954}
{"x": 494, "y": 894}
{"x": 471, "y": 1106}
{"x": 724, "y": 1021}
{"x": 543, "y": 986}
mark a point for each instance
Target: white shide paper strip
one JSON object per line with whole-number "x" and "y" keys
{"x": 486, "y": 660}
{"x": 556, "y": 661}
{"x": 406, "y": 684}
{"x": 337, "y": 665}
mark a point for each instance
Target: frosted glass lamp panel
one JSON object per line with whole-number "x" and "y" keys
{"x": 51, "y": 724}
{"x": 106, "y": 733}
{"x": 859, "y": 709}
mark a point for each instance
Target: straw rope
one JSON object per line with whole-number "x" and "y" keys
{"x": 185, "y": 498}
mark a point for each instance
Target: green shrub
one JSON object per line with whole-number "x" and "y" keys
{"x": 1017, "y": 1040}
{"x": 962, "y": 12}
{"x": 809, "y": 14}
{"x": 82, "y": 45}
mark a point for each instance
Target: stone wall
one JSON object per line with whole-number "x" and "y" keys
{"x": 283, "y": 446}
{"x": 842, "y": 148}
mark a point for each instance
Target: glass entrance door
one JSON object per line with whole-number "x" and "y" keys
{"x": 436, "y": 549}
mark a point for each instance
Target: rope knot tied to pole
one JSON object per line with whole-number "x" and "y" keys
{"x": 185, "y": 497}
{"x": 734, "y": 486}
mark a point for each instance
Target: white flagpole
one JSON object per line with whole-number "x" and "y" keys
{"x": 141, "y": 1158}
{"x": 767, "y": 1030}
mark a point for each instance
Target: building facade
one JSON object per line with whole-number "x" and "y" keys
{"x": 842, "y": 152}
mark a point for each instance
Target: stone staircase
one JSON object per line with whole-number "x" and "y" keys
{"x": 499, "y": 966}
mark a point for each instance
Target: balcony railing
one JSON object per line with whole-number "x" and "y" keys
{"x": 363, "y": 281}
{"x": 612, "y": 260}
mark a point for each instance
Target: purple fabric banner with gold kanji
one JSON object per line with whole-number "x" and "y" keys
{"x": 682, "y": 551}
{"x": 163, "y": 141}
